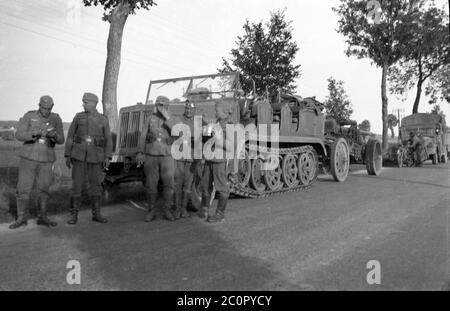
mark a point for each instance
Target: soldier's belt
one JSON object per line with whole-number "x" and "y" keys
{"x": 98, "y": 142}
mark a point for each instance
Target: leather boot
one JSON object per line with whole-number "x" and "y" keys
{"x": 178, "y": 204}
{"x": 96, "y": 215}
{"x": 21, "y": 214}
{"x": 203, "y": 213}
{"x": 167, "y": 214}
{"x": 75, "y": 203}
{"x": 151, "y": 201}
{"x": 220, "y": 211}
{"x": 184, "y": 203}
{"x": 43, "y": 219}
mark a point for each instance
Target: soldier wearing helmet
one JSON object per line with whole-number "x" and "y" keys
{"x": 39, "y": 130}
{"x": 88, "y": 150}
{"x": 155, "y": 153}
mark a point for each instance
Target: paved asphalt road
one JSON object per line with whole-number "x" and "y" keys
{"x": 320, "y": 239}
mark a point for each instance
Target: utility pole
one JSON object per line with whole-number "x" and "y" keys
{"x": 400, "y": 112}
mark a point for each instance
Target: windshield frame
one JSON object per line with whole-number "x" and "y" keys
{"x": 192, "y": 78}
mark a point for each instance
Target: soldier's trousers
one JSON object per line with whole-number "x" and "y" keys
{"x": 28, "y": 172}
{"x": 215, "y": 172}
{"x": 184, "y": 176}
{"x": 94, "y": 174}
{"x": 157, "y": 167}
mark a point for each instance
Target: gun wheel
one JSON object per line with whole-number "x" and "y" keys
{"x": 339, "y": 159}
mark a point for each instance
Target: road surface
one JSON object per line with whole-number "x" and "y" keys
{"x": 319, "y": 239}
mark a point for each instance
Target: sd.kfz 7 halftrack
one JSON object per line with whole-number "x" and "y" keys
{"x": 294, "y": 144}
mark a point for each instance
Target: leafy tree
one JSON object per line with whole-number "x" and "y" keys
{"x": 439, "y": 86}
{"x": 437, "y": 110}
{"x": 337, "y": 104}
{"x": 392, "y": 122}
{"x": 382, "y": 40}
{"x": 365, "y": 126}
{"x": 427, "y": 50}
{"x": 265, "y": 53}
{"x": 115, "y": 13}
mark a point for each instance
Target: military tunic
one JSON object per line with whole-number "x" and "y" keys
{"x": 215, "y": 169}
{"x": 89, "y": 143}
{"x": 155, "y": 142}
{"x": 185, "y": 168}
{"x": 37, "y": 154}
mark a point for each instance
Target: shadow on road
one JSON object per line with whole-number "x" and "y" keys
{"x": 404, "y": 181}
{"x": 189, "y": 254}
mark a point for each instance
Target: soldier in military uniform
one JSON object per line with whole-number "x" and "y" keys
{"x": 155, "y": 150}
{"x": 88, "y": 151}
{"x": 185, "y": 168}
{"x": 39, "y": 131}
{"x": 214, "y": 171}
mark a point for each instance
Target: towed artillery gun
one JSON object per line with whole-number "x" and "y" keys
{"x": 299, "y": 135}
{"x": 361, "y": 146}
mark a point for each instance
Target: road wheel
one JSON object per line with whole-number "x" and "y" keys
{"x": 290, "y": 170}
{"x": 272, "y": 178}
{"x": 434, "y": 158}
{"x": 308, "y": 167}
{"x": 257, "y": 176}
{"x": 374, "y": 158}
{"x": 339, "y": 159}
{"x": 443, "y": 158}
{"x": 244, "y": 170}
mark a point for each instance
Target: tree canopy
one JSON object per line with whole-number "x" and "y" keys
{"x": 337, "y": 104}
{"x": 265, "y": 53}
{"x": 426, "y": 51}
{"x": 376, "y": 30}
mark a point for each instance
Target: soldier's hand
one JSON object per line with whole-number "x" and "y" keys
{"x": 106, "y": 163}
{"x": 69, "y": 163}
{"x": 51, "y": 134}
{"x": 165, "y": 112}
{"x": 36, "y": 133}
{"x": 140, "y": 158}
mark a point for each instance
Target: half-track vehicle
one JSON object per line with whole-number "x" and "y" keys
{"x": 289, "y": 135}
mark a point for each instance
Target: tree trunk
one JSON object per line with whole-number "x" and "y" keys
{"x": 384, "y": 106}
{"x": 117, "y": 20}
{"x": 418, "y": 94}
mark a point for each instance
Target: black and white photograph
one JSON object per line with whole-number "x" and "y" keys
{"x": 224, "y": 150}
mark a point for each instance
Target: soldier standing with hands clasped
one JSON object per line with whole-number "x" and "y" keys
{"x": 39, "y": 131}
{"x": 154, "y": 148}
{"x": 88, "y": 151}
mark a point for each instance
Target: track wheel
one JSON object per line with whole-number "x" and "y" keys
{"x": 272, "y": 178}
{"x": 290, "y": 170}
{"x": 257, "y": 175}
{"x": 308, "y": 167}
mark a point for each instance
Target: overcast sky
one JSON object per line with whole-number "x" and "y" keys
{"x": 46, "y": 47}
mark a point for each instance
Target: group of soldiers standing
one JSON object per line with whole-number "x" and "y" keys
{"x": 88, "y": 151}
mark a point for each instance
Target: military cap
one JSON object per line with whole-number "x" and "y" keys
{"x": 189, "y": 104}
{"x": 90, "y": 97}
{"x": 46, "y": 101}
{"x": 161, "y": 100}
